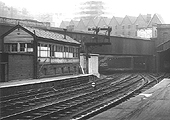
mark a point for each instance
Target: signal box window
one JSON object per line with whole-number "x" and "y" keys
{"x": 52, "y": 50}
{"x": 29, "y": 47}
{"x": 22, "y": 47}
{"x": 14, "y": 47}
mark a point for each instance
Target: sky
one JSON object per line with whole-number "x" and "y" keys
{"x": 65, "y": 9}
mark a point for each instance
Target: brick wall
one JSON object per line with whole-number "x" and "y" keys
{"x": 3, "y": 67}
{"x": 51, "y": 70}
{"x": 163, "y": 33}
{"x": 20, "y": 66}
{"x": 0, "y": 67}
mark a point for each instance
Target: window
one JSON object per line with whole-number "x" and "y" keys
{"x": 56, "y": 48}
{"x": 128, "y": 26}
{"x": 136, "y": 26}
{"x": 7, "y": 47}
{"x": 29, "y": 47}
{"x": 44, "y": 50}
{"x": 70, "y": 50}
{"x": 59, "y": 48}
{"x": 123, "y": 27}
{"x": 39, "y": 49}
{"x": 75, "y": 52}
{"x": 18, "y": 47}
{"x": 66, "y": 55}
{"x": 14, "y": 47}
{"x": 52, "y": 50}
{"x": 57, "y": 51}
{"x": 22, "y": 47}
{"x": 129, "y": 33}
{"x": 116, "y": 27}
{"x": 123, "y": 33}
{"x": 115, "y": 33}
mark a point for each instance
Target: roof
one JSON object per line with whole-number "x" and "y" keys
{"x": 119, "y": 19}
{"x": 144, "y": 17}
{"x": 91, "y": 23}
{"x": 64, "y": 24}
{"x": 156, "y": 19}
{"x": 80, "y": 25}
{"x": 101, "y": 23}
{"x": 107, "y": 20}
{"x": 50, "y": 35}
{"x": 160, "y": 18}
{"x": 96, "y": 20}
{"x": 85, "y": 21}
{"x": 132, "y": 18}
{"x": 73, "y": 22}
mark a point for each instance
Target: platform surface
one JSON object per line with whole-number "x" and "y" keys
{"x": 153, "y": 104}
{"x": 33, "y": 81}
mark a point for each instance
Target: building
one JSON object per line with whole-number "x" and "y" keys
{"x": 162, "y": 45}
{"x": 129, "y": 26}
{"x": 53, "y": 57}
{"x": 64, "y": 24}
{"x": 150, "y": 31}
{"x": 29, "y": 52}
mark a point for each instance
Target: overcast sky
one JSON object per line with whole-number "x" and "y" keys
{"x": 119, "y": 8}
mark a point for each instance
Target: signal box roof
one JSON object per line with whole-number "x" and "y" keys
{"x": 41, "y": 33}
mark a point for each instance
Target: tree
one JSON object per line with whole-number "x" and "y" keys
{"x": 12, "y": 12}
{"x": 91, "y": 9}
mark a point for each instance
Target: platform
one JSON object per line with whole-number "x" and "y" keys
{"x": 60, "y": 82}
{"x": 153, "y": 104}
{"x": 34, "y": 81}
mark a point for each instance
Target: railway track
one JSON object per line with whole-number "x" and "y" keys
{"x": 87, "y": 103}
{"x": 149, "y": 81}
{"x": 70, "y": 106}
{"x": 16, "y": 105}
{"x": 30, "y": 94}
{"x": 31, "y": 99}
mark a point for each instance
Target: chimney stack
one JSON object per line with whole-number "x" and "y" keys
{"x": 148, "y": 18}
{"x": 65, "y": 30}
